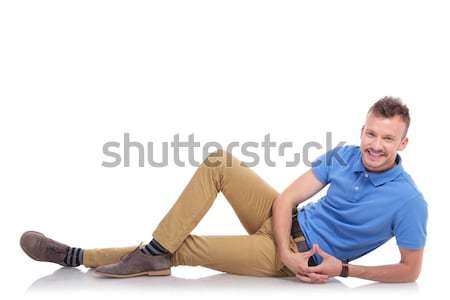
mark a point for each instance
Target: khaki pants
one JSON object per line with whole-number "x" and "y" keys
{"x": 250, "y": 197}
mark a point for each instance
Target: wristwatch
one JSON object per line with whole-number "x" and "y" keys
{"x": 344, "y": 271}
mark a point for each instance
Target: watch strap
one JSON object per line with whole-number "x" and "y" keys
{"x": 344, "y": 271}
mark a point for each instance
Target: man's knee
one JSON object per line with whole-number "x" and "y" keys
{"x": 218, "y": 158}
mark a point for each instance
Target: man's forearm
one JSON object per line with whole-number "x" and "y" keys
{"x": 388, "y": 273}
{"x": 281, "y": 224}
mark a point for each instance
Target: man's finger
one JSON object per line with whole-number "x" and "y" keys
{"x": 303, "y": 278}
{"x": 318, "y": 277}
{"x": 320, "y": 251}
{"x": 308, "y": 279}
{"x": 315, "y": 269}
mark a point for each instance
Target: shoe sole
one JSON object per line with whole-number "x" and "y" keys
{"x": 148, "y": 273}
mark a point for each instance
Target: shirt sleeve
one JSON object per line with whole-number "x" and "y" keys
{"x": 410, "y": 224}
{"x": 323, "y": 165}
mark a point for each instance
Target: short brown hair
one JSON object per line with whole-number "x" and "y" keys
{"x": 389, "y": 107}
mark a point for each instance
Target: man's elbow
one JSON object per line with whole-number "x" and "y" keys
{"x": 411, "y": 280}
{"x": 413, "y": 276}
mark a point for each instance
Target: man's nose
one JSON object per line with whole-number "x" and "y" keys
{"x": 377, "y": 145}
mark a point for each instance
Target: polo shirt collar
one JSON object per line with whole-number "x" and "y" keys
{"x": 379, "y": 178}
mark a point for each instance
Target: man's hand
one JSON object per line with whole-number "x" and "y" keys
{"x": 330, "y": 265}
{"x": 298, "y": 264}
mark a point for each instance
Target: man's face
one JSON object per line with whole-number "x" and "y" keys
{"x": 381, "y": 138}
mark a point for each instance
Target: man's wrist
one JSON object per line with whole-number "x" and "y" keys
{"x": 283, "y": 254}
{"x": 344, "y": 268}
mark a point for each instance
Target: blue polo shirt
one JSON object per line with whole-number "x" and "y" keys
{"x": 362, "y": 210}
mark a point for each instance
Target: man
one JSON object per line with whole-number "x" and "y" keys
{"x": 370, "y": 199}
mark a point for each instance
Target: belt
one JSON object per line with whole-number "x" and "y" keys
{"x": 299, "y": 237}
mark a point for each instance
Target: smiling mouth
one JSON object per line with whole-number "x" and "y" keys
{"x": 374, "y": 155}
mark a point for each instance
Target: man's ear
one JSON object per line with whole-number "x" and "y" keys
{"x": 362, "y": 130}
{"x": 403, "y": 144}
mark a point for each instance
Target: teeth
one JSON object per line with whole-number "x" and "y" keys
{"x": 375, "y": 154}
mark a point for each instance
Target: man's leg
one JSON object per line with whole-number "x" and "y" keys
{"x": 104, "y": 256}
{"x": 249, "y": 195}
{"x": 252, "y": 255}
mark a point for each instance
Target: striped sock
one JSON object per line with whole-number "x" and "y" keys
{"x": 154, "y": 248}
{"x": 74, "y": 257}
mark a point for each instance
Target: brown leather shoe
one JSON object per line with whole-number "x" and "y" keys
{"x": 137, "y": 263}
{"x": 41, "y": 248}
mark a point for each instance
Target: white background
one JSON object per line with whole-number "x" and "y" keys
{"x": 76, "y": 74}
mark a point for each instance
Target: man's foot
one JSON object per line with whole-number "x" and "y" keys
{"x": 137, "y": 263}
{"x": 41, "y": 248}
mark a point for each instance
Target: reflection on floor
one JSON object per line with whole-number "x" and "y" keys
{"x": 73, "y": 280}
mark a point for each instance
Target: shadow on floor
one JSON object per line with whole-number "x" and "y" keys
{"x": 73, "y": 280}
